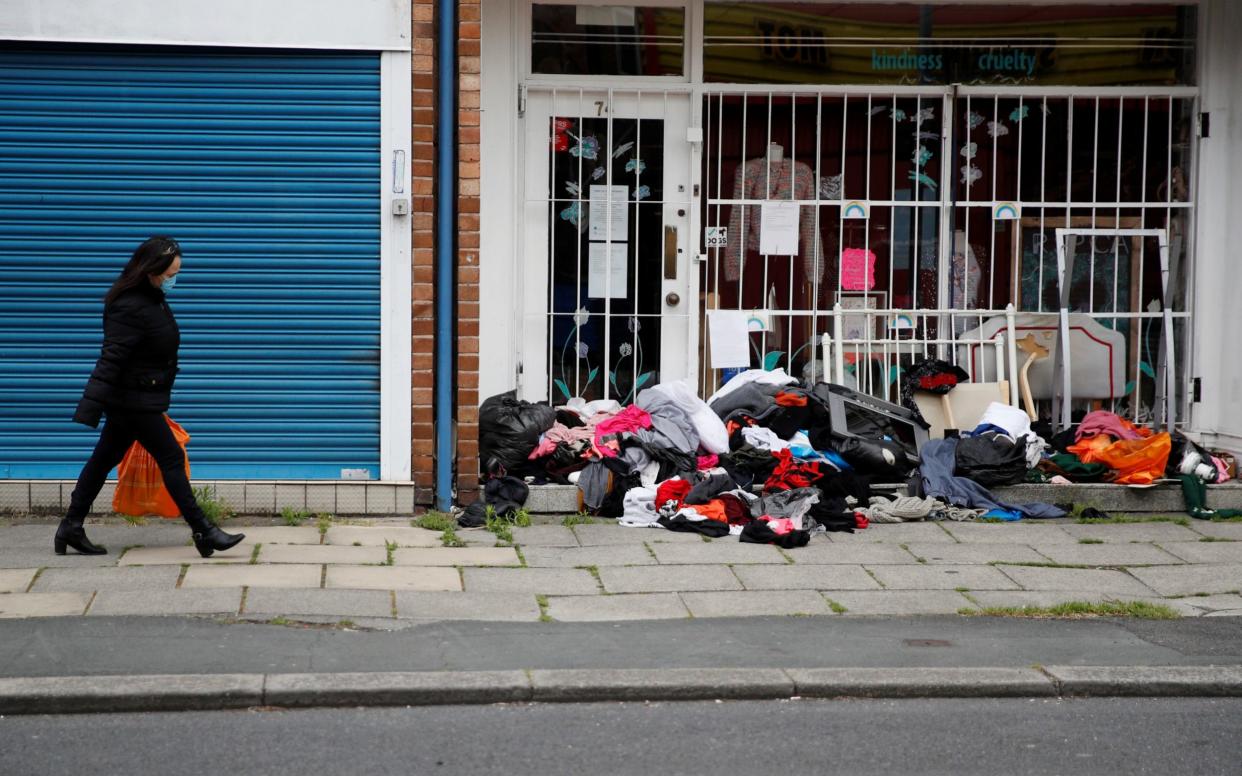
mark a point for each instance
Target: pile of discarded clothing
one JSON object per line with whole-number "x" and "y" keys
{"x": 760, "y": 459}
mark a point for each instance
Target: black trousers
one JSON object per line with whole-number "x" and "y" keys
{"x": 121, "y": 429}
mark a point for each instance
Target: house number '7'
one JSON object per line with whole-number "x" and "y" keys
{"x": 601, "y": 107}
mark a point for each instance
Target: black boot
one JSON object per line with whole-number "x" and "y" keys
{"x": 70, "y": 533}
{"x": 208, "y": 538}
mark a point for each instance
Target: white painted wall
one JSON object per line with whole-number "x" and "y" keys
{"x": 499, "y": 284}
{"x": 356, "y": 24}
{"x": 1218, "y": 233}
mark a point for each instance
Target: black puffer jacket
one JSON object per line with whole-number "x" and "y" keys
{"x": 138, "y": 362}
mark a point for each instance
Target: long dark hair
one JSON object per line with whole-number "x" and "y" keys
{"x": 153, "y": 257}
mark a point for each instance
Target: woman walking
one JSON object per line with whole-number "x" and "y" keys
{"x": 130, "y": 389}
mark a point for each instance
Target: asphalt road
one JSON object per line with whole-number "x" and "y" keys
{"x": 1039, "y": 737}
{"x": 178, "y": 645}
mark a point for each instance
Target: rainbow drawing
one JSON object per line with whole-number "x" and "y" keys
{"x": 854, "y": 209}
{"x": 1006, "y": 211}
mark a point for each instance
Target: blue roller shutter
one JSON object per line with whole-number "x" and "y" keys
{"x": 265, "y": 167}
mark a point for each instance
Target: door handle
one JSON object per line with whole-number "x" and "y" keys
{"x": 670, "y": 252}
{"x": 672, "y": 300}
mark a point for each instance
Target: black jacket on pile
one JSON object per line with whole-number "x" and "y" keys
{"x": 138, "y": 361}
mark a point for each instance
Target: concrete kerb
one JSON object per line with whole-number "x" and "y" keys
{"x": 110, "y": 694}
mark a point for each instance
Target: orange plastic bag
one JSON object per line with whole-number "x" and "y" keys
{"x": 140, "y": 484}
{"x": 1088, "y": 449}
{"x": 1137, "y": 461}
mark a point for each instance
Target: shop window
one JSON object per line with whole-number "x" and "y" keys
{"x": 607, "y": 40}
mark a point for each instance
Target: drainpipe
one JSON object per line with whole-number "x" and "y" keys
{"x": 445, "y": 241}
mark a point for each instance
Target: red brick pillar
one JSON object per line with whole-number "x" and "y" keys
{"x": 466, "y": 377}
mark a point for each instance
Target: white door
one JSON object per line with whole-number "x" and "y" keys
{"x": 605, "y": 260}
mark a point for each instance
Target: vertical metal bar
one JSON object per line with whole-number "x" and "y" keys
{"x": 742, "y": 251}
{"x": 1043, "y": 199}
{"x": 817, "y": 263}
{"x": 1011, "y": 340}
{"x": 845, "y": 110}
{"x": 767, "y": 194}
{"x": 550, "y": 259}
{"x": 584, "y": 211}
{"x": 793, "y": 163}
{"x": 1016, "y": 261}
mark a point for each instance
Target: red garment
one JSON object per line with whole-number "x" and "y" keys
{"x": 861, "y": 521}
{"x": 779, "y": 525}
{"x": 1105, "y": 422}
{"x": 786, "y": 399}
{"x": 630, "y": 419}
{"x": 791, "y": 473}
{"x": 712, "y": 510}
{"x": 735, "y": 510}
{"x": 708, "y": 461}
{"x": 672, "y": 490}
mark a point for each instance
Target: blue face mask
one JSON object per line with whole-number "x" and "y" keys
{"x": 168, "y": 284}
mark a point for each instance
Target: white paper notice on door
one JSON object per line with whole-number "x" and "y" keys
{"x": 606, "y": 263}
{"x": 609, "y": 209}
{"x": 778, "y": 228}
{"x": 730, "y": 342}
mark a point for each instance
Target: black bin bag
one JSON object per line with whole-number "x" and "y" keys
{"x": 509, "y": 430}
{"x": 879, "y": 459}
{"x": 991, "y": 459}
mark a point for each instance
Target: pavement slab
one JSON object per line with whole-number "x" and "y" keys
{"x": 667, "y": 579}
{"x": 1223, "y": 602}
{"x": 827, "y": 553}
{"x": 889, "y": 602}
{"x": 477, "y": 537}
{"x": 724, "y": 550}
{"x": 941, "y": 577}
{"x": 1101, "y": 580}
{"x": 1222, "y": 530}
{"x": 975, "y": 552}
{"x": 43, "y": 604}
{"x": 544, "y": 536}
{"x": 805, "y": 578}
{"x": 756, "y": 602}
{"x": 393, "y": 578}
{"x": 1205, "y": 552}
{"x": 507, "y": 607}
{"x": 539, "y": 581}
{"x": 166, "y": 602}
{"x": 341, "y": 603}
{"x": 1131, "y": 532}
{"x": 118, "y": 578}
{"x": 379, "y": 536}
{"x": 278, "y": 534}
{"x": 1165, "y": 681}
{"x": 282, "y": 575}
{"x": 600, "y": 555}
{"x": 1188, "y": 580}
{"x": 320, "y": 554}
{"x": 1023, "y": 532}
{"x": 457, "y": 556}
{"x": 35, "y": 558}
{"x": 395, "y": 689}
{"x": 894, "y": 533}
{"x": 1108, "y": 554}
{"x": 16, "y": 580}
{"x": 604, "y": 608}
{"x": 182, "y": 555}
{"x": 119, "y": 694}
{"x": 595, "y": 534}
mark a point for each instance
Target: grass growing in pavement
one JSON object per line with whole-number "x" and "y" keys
{"x": 1142, "y": 610}
{"x": 450, "y": 538}
{"x": 542, "y": 600}
{"x": 1219, "y": 519}
{"x": 1120, "y": 519}
{"x": 216, "y": 510}
{"x": 434, "y": 521}
{"x": 254, "y": 554}
{"x": 134, "y": 519}
{"x": 1089, "y": 540}
{"x": 294, "y": 517}
{"x": 836, "y": 607}
{"x": 1215, "y": 539}
{"x": 392, "y": 549}
{"x": 323, "y": 521}
{"x": 582, "y": 518}
{"x": 1041, "y": 564}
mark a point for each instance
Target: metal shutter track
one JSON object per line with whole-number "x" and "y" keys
{"x": 266, "y": 169}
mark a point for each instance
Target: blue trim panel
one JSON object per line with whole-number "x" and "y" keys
{"x": 266, "y": 168}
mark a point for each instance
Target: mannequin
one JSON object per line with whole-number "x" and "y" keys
{"x": 772, "y": 177}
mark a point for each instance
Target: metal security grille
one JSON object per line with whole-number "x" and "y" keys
{"x": 265, "y": 166}
{"x": 926, "y": 225}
